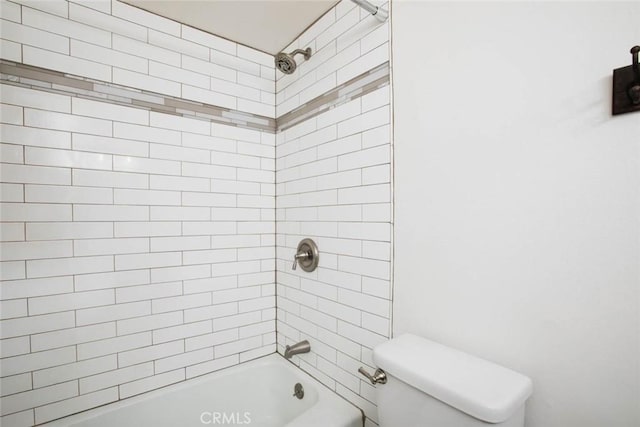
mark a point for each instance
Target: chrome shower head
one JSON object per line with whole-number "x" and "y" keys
{"x": 286, "y": 63}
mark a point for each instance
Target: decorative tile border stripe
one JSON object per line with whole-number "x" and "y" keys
{"x": 356, "y": 87}
{"x": 57, "y": 82}
{"x": 53, "y": 81}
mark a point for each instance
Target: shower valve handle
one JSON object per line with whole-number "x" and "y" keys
{"x": 299, "y": 255}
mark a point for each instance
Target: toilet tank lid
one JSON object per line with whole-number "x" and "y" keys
{"x": 475, "y": 386}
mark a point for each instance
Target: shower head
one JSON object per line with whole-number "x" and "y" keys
{"x": 286, "y": 63}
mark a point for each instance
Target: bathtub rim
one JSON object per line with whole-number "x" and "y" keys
{"x": 324, "y": 392}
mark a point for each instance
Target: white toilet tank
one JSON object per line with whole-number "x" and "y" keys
{"x": 431, "y": 385}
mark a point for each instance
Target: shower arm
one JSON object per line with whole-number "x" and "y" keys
{"x": 380, "y": 14}
{"x": 306, "y": 52}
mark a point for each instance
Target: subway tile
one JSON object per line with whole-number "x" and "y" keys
{"x": 210, "y": 312}
{"x": 115, "y": 377}
{"x": 145, "y": 197}
{"x": 164, "y": 151}
{"x": 146, "y": 384}
{"x": 364, "y": 158}
{"x": 210, "y": 340}
{"x": 26, "y": 174}
{"x": 13, "y": 308}
{"x": 147, "y": 229}
{"x": 234, "y": 62}
{"x": 145, "y": 50}
{"x": 153, "y": 352}
{"x": 39, "y": 360}
{"x": 14, "y": 346}
{"x": 177, "y": 183}
{"x": 35, "y": 137}
{"x": 206, "y": 67}
{"x": 15, "y": 384}
{"x": 168, "y": 121}
{"x": 26, "y": 288}
{"x": 206, "y": 39}
{"x": 81, "y": 13}
{"x": 207, "y": 96}
{"x": 136, "y": 261}
{"x": 108, "y": 313}
{"x": 145, "y": 18}
{"x": 364, "y": 121}
{"x": 74, "y": 301}
{"x": 67, "y": 194}
{"x": 94, "y": 178}
{"x": 145, "y": 82}
{"x": 35, "y": 212}
{"x": 19, "y": 419}
{"x": 55, "y": 24}
{"x": 35, "y": 98}
{"x": 65, "y": 63}
{"x": 177, "y": 44}
{"x": 11, "y": 231}
{"x": 146, "y": 133}
{"x": 12, "y": 115}
{"x": 179, "y": 213}
{"x": 211, "y": 366}
{"x": 183, "y": 360}
{"x": 101, "y": 144}
{"x": 113, "y": 345}
{"x": 38, "y": 397}
{"x": 182, "y": 243}
{"x": 147, "y": 292}
{"x": 72, "y": 336}
{"x": 184, "y": 302}
{"x": 77, "y": 404}
{"x": 31, "y": 36}
{"x": 71, "y": 371}
{"x": 380, "y": 212}
{"x": 66, "y": 158}
{"x": 66, "y": 266}
{"x": 143, "y": 165}
{"x": 66, "y": 122}
{"x": 13, "y": 251}
{"x": 379, "y": 193}
{"x": 108, "y": 111}
{"x": 178, "y": 74}
{"x": 11, "y": 192}
{"x": 108, "y": 57}
{"x": 11, "y": 11}
{"x": 208, "y": 199}
{"x": 148, "y": 323}
{"x": 116, "y": 279}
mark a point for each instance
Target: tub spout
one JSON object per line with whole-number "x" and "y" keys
{"x": 301, "y": 347}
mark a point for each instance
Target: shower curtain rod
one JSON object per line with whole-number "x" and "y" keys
{"x": 380, "y": 14}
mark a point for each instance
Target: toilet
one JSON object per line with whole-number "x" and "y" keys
{"x": 431, "y": 385}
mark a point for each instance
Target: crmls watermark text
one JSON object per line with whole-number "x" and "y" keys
{"x": 225, "y": 418}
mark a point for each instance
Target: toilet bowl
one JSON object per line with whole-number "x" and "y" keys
{"x": 431, "y": 385}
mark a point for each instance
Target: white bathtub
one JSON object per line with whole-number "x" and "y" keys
{"x": 256, "y": 393}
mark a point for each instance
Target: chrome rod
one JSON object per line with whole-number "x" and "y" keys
{"x": 380, "y": 14}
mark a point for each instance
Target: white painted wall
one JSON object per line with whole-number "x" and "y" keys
{"x": 517, "y": 197}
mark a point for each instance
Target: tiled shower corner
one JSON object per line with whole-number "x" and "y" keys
{"x": 151, "y": 172}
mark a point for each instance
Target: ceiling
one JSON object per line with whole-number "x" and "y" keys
{"x": 267, "y": 25}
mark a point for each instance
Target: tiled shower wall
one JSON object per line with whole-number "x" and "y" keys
{"x": 333, "y": 184}
{"x": 137, "y": 228}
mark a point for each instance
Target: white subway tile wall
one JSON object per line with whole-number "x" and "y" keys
{"x": 138, "y": 248}
{"x": 118, "y": 43}
{"x": 333, "y": 175}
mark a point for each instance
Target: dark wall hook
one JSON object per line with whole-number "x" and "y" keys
{"x": 626, "y": 86}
